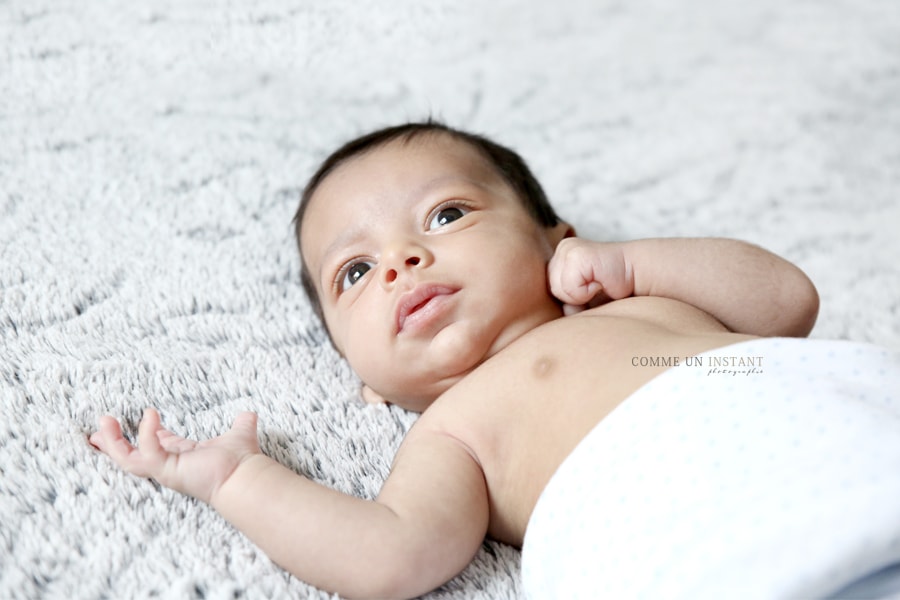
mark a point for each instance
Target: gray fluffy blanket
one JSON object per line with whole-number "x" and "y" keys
{"x": 152, "y": 155}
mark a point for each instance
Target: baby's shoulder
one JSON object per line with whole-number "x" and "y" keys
{"x": 665, "y": 313}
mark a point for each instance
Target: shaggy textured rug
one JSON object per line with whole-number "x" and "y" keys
{"x": 152, "y": 155}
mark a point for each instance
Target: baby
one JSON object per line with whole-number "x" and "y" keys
{"x": 443, "y": 275}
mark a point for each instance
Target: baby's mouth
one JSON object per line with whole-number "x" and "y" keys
{"x": 416, "y": 307}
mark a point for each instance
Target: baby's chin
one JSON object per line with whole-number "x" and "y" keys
{"x": 450, "y": 356}
{"x": 459, "y": 349}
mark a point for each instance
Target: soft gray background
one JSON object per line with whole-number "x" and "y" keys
{"x": 151, "y": 158}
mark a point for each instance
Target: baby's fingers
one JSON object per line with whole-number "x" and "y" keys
{"x": 243, "y": 432}
{"x": 575, "y": 285}
{"x": 109, "y": 440}
{"x": 174, "y": 443}
{"x": 245, "y": 423}
{"x": 148, "y": 441}
{"x": 142, "y": 462}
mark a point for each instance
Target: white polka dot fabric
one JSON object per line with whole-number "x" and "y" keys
{"x": 767, "y": 469}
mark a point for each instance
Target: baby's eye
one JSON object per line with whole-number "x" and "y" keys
{"x": 353, "y": 273}
{"x": 447, "y": 215}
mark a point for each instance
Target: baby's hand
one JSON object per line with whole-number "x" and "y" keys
{"x": 584, "y": 274}
{"x": 194, "y": 468}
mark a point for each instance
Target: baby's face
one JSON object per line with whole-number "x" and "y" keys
{"x": 426, "y": 264}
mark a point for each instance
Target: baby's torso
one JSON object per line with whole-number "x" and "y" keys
{"x": 522, "y": 412}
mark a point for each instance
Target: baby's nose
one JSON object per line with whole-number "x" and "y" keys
{"x": 391, "y": 273}
{"x": 401, "y": 258}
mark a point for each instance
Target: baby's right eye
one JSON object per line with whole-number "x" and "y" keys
{"x": 352, "y": 273}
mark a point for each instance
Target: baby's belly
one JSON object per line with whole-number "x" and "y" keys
{"x": 553, "y": 387}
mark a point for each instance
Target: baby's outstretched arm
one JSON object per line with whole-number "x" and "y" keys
{"x": 425, "y": 526}
{"x": 748, "y": 289}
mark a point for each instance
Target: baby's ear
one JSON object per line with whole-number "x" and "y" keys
{"x": 561, "y": 231}
{"x": 370, "y": 396}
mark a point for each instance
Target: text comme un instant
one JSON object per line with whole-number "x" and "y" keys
{"x": 697, "y": 361}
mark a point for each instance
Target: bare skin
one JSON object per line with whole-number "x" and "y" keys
{"x": 595, "y": 370}
{"x": 506, "y": 386}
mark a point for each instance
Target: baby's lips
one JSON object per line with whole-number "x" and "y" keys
{"x": 416, "y": 298}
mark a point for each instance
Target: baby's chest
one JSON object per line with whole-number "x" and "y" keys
{"x": 526, "y": 413}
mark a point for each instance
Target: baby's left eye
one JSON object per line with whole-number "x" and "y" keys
{"x": 447, "y": 215}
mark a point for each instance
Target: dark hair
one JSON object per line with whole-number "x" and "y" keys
{"x": 508, "y": 164}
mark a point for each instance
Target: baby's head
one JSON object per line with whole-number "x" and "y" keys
{"x": 505, "y": 162}
{"x": 424, "y": 252}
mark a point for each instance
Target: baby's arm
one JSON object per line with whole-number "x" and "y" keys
{"x": 748, "y": 289}
{"x": 425, "y": 526}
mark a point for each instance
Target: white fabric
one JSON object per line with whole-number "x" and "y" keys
{"x": 777, "y": 476}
